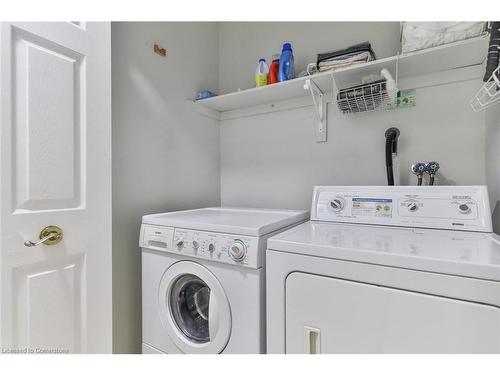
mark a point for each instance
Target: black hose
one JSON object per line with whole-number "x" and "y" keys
{"x": 493, "y": 58}
{"x": 390, "y": 176}
{"x": 391, "y": 146}
{"x": 388, "y": 162}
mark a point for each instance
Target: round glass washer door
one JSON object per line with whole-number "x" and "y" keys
{"x": 194, "y": 308}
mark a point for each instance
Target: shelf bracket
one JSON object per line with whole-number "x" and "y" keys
{"x": 318, "y": 98}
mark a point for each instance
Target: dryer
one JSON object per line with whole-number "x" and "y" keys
{"x": 387, "y": 270}
{"x": 203, "y": 283}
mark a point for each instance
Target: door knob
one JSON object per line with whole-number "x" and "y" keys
{"x": 50, "y": 235}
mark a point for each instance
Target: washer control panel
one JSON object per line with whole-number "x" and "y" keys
{"x": 245, "y": 251}
{"x": 440, "y": 207}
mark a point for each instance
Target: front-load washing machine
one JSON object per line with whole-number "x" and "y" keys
{"x": 203, "y": 283}
{"x": 387, "y": 270}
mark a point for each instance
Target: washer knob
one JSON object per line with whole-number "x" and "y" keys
{"x": 196, "y": 245}
{"x": 464, "y": 208}
{"x": 211, "y": 247}
{"x": 179, "y": 244}
{"x": 238, "y": 251}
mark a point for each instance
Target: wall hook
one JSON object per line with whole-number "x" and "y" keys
{"x": 159, "y": 50}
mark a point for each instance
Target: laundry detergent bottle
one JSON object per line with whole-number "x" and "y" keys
{"x": 286, "y": 68}
{"x": 274, "y": 69}
{"x": 261, "y": 73}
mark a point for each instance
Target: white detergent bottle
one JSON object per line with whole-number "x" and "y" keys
{"x": 261, "y": 73}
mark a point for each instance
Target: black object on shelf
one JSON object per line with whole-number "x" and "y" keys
{"x": 493, "y": 58}
{"x": 356, "y": 54}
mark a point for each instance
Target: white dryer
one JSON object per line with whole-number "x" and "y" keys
{"x": 203, "y": 283}
{"x": 387, "y": 270}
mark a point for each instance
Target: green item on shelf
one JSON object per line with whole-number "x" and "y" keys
{"x": 406, "y": 98}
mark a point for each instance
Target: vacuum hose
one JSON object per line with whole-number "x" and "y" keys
{"x": 391, "y": 147}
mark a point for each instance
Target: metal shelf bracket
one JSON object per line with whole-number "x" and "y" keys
{"x": 318, "y": 98}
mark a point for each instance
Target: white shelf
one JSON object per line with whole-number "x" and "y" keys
{"x": 450, "y": 56}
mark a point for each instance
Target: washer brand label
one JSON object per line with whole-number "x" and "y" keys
{"x": 461, "y": 197}
{"x": 374, "y": 207}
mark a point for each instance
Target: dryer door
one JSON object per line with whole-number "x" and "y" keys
{"x": 329, "y": 315}
{"x": 194, "y": 308}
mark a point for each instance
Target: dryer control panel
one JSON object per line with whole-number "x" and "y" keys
{"x": 440, "y": 207}
{"x": 244, "y": 251}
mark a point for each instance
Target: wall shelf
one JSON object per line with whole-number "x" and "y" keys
{"x": 442, "y": 58}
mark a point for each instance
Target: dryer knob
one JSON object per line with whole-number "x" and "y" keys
{"x": 464, "y": 209}
{"x": 337, "y": 204}
{"x": 238, "y": 251}
{"x": 412, "y": 206}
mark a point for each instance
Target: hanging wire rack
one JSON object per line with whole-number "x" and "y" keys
{"x": 371, "y": 96}
{"x": 368, "y": 97}
{"x": 488, "y": 94}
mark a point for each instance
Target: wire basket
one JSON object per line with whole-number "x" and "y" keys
{"x": 367, "y": 97}
{"x": 488, "y": 94}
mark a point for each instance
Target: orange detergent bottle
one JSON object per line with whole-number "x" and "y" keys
{"x": 274, "y": 69}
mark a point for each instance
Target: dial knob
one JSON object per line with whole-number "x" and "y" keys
{"x": 179, "y": 244}
{"x": 196, "y": 245}
{"x": 412, "y": 206}
{"x": 337, "y": 204}
{"x": 211, "y": 247}
{"x": 464, "y": 208}
{"x": 238, "y": 251}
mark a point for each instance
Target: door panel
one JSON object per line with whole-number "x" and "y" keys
{"x": 51, "y": 293}
{"x": 330, "y": 315}
{"x": 47, "y": 127}
{"x": 49, "y": 289}
{"x": 55, "y": 159}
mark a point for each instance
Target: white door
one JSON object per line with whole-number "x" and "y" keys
{"x": 328, "y": 315}
{"x": 55, "y": 160}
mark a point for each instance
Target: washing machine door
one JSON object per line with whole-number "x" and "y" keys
{"x": 194, "y": 308}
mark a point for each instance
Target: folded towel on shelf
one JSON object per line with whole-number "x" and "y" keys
{"x": 420, "y": 35}
{"x": 344, "y": 61}
{"x": 356, "y": 54}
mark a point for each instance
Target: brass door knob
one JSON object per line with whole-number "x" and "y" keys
{"x": 50, "y": 235}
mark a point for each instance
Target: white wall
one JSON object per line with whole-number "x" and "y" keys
{"x": 165, "y": 156}
{"x": 243, "y": 43}
{"x": 272, "y": 159}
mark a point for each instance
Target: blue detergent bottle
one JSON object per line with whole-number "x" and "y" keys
{"x": 287, "y": 68}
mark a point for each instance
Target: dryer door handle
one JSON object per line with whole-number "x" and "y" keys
{"x": 213, "y": 316}
{"x": 312, "y": 338}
